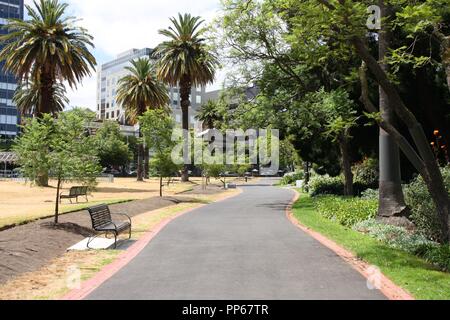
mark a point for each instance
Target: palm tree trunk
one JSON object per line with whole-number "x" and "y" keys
{"x": 185, "y": 92}
{"x": 392, "y": 201}
{"x": 46, "y": 88}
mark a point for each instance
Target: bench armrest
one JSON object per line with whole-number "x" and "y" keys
{"x": 123, "y": 215}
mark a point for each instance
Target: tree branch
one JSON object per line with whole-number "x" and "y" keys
{"x": 402, "y": 142}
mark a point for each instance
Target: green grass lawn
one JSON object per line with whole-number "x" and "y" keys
{"x": 413, "y": 274}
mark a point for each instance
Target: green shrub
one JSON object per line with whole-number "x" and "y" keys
{"x": 438, "y": 255}
{"x": 395, "y": 237}
{"x": 366, "y": 173}
{"x": 326, "y": 185}
{"x": 413, "y": 243}
{"x": 291, "y": 178}
{"x": 371, "y": 194}
{"x": 422, "y": 206}
{"x": 346, "y": 211}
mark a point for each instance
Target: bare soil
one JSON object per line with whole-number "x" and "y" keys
{"x": 30, "y": 247}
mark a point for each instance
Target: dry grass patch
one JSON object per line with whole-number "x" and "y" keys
{"x": 55, "y": 280}
{"x": 20, "y": 202}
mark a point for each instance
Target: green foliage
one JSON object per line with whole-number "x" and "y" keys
{"x": 346, "y": 211}
{"x": 33, "y": 148}
{"x": 411, "y": 242}
{"x": 439, "y": 255}
{"x": 210, "y": 114}
{"x": 140, "y": 90}
{"x": 111, "y": 148}
{"x": 29, "y": 95}
{"x": 157, "y": 128}
{"x": 185, "y": 56}
{"x": 371, "y": 194}
{"x": 424, "y": 213}
{"x": 291, "y": 178}
{"x": 72, "y": 153}
{"x": 395, "y": 237}
{"x": 48, "y": 49}
{"x": 61, "y": 147}
{"x": 323, "y": 185}
{"x": 366, "y": 172}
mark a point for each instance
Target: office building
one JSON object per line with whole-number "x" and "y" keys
{"x": 109, "y": 75}
{"x": 9, "y": 117}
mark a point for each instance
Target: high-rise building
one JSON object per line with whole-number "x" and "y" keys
{"x": 9, "y": 116}
{"x": 108, "y": 77}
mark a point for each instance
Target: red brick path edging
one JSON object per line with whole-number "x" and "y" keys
{"x": 126, "y": 257}
{"x": 386, "y": 286}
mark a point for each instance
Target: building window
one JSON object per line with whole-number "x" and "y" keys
{"x": 198, "y": 99}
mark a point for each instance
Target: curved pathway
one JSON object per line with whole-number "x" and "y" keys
{"x": 243, "y": 248}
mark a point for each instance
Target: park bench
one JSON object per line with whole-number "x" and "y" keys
{"x": 74, "y": 193}
{"x": 102, "y": 223}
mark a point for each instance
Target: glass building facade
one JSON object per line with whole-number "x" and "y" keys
{"x": 9, "y": 116}
{"x": 107, "y": 82}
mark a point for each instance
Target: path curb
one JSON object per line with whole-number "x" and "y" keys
{"x": 126, "y": 257}
{"x": 387, "y": 287}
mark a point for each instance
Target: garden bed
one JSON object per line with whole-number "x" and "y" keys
{"x": 420, "y": 278}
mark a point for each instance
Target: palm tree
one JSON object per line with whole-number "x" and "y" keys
{"x": 209, "y": 115}
{"x": 137, "y": 92}
{"x": 28, "y": 96}
{"x": 185, "y": 61}
{"x": 48, "y": 49}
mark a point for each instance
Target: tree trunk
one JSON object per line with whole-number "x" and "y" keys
{"x": 46, "y": 104}
{"x": 161, "y": 185}
{"x": 185, "y": 92}
{"x": 307, "y": 175}
{"x": 425, "y": 160}
{"x": 346, "y": 166}
{"x": 392, "y": 201}
{"x": 146, "y": 162}
{"x": 58, "y": 189}
{"x": 42, "y": 180}
{"x": 140, "y": 165}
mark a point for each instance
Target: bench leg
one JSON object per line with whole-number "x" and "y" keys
{"x": 91, "y": 239}
{"x": 115, "y": 240}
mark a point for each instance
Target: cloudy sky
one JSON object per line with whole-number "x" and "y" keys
{"x": 118, "y": 26}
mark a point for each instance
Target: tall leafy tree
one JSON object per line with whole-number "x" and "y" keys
{"x": 138, "y": 92}
{"x": 185, "y": 60}
{"x": 157, "y": 128}
{"x": 61, "y": 147}
{"x": 47, "y": 49}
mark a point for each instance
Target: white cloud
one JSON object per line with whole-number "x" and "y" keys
{"x": 118, "y": 26}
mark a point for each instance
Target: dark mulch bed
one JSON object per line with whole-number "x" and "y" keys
{"x": 29, "y": 247}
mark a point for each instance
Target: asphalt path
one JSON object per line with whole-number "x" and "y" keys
{"x": 243, "y": 248}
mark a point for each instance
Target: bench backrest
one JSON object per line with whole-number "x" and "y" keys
{"x": 83, "y": 191}
{"x": 100, "y": 215}
{"x": 78, "y": 191}
{"x": 74, "y": 191}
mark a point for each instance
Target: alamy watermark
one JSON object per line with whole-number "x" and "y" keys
{"x": 374, "y": 19}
